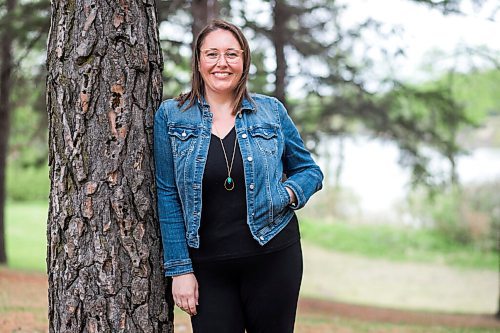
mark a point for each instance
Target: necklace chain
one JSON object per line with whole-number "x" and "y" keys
{"x": 229, "y": 182}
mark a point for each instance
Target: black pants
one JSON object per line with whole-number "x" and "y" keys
{"x": 258, "y": 294}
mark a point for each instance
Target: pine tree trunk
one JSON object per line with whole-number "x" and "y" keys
{"x": 203, "y": 11}
{"x": 104, "y": 245}
{"x": 278, "y": 37}
{"x": 5, "y": 91}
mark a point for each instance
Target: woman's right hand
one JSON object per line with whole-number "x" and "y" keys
{"x": 185, "y": 292}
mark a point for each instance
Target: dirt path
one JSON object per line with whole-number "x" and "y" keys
{"x": 23, "y": 306}
{"x": 387, "y": 315}
{"x": 23, "y": 302}
{"x": 412, "y": 286}
{"x": 325, "y": 310}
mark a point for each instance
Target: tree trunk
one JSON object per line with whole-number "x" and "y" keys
{"x": 279, "y": 41}
{"x": 498, "y": 304}
{"x": 5, "y": 85}
{"x": 203, "y": 11}
{"x": 497, "y": 315}
{"x": 104, "y": 246}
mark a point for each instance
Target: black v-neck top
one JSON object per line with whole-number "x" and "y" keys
{"x": 224, "y": 233}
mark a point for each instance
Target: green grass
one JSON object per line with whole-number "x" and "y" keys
{"x": 26, "y": 249}
{"x": 26, "y": 241}
{"x": 25, "y": 228}
{"x": 27, "y": 184}
{"x": 395, "y": 243}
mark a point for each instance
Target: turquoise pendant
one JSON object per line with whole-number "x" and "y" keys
{"x": 229, "y": 184}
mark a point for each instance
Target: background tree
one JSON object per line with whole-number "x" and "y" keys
{"x": 5, "y": 91}
{"x": 104, "y": 246}
{"x": 23, "y": 28}
{"x": 336, "y": 93}
{"x": 203, "y": 11}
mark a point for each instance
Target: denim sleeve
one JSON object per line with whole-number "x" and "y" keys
{"x": 304, "y": 177}
{"x": 173, "y": 230}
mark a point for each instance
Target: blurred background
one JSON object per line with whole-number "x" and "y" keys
{"x": 398, "y": 99}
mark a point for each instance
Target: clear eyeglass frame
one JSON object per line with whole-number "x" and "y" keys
{"x": 212, "y": 56}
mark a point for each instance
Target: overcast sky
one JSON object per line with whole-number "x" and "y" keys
{"x": 426, "y": 29}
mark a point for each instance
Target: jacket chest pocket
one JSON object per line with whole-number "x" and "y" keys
{"x": 183, "y": 139}
{"x": 266, "y": 139}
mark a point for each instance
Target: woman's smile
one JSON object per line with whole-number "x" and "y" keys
{"x": 220, "y": 76}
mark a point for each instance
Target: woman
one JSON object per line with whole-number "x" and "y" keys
{"x": 230, "y": 234}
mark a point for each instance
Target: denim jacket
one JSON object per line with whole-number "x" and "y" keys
{"x": 270, "y": 146}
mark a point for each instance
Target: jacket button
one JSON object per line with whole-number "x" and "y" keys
{"x": 240, "y": 115}
{"x": 244, "y": 136}
{"x": 252, "y": 186}
{"x": 250, "y": 158}
{"x": 261, "y": 237}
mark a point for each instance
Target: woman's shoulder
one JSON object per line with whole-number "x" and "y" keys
{"x": 170, "y": 104}
{"x": 263, "y": 99}
{"x": 173, "y": 106}
{"x": 269, "y": 103}
{"x": 166, "y": 109}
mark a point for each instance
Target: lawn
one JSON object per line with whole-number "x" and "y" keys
{"x": 26, "y": 225}
{"x": 26, "y": 241}
{"x": 26, "y": 250}
{"x": 395, "y": 243}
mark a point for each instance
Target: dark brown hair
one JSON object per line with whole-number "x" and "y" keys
{"x": 197, "y": 84}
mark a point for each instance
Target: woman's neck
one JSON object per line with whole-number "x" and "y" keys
{"x": 220, "y": 103}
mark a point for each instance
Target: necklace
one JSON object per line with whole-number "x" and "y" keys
{"x": 229, "y": 182}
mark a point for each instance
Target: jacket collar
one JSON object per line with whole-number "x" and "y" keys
{"x": 246, "y": 104}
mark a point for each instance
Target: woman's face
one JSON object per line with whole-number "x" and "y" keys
{"x": 221, "y": 76}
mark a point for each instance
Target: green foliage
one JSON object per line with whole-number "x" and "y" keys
{"x": 176, "y": 69}
{"x": 26, "y": 225}
{"x": 258, "y": 78}
{"x": 464, "y": 215}
{"x": 395, "y": 243}
{"x": 475, "y": 91}
{"x": 444, "y": 211}
{"x": 484, "y": 209}
{"x": 27, "y": 183}
{"x": 425, "y": 120}
{"x": 27, "y": 171}
{"x": 28, "y": 138}
{"x": 478, "y": 92}
{"x": 29, "y": 22}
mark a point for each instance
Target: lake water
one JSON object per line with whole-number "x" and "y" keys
{"x": 371, "y": 171}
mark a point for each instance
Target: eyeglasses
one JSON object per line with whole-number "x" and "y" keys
{"x": 212, "y": 56}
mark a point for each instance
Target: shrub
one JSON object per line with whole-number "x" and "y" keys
{"x": 484, "y": 212}
{"x": 467, "y": 214}
{"x": 27, "y": 183}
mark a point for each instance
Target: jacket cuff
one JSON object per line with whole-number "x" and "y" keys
{"x": 178, "y": 267}
{"x": 299, "y": 194}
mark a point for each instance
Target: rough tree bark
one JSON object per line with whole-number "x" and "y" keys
{"x": 5, "y": 90}
{"x": 104, "y": 247}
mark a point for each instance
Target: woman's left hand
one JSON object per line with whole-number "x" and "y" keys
{"x": 293, "y": 199}
{"x": 185, "y": 292}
